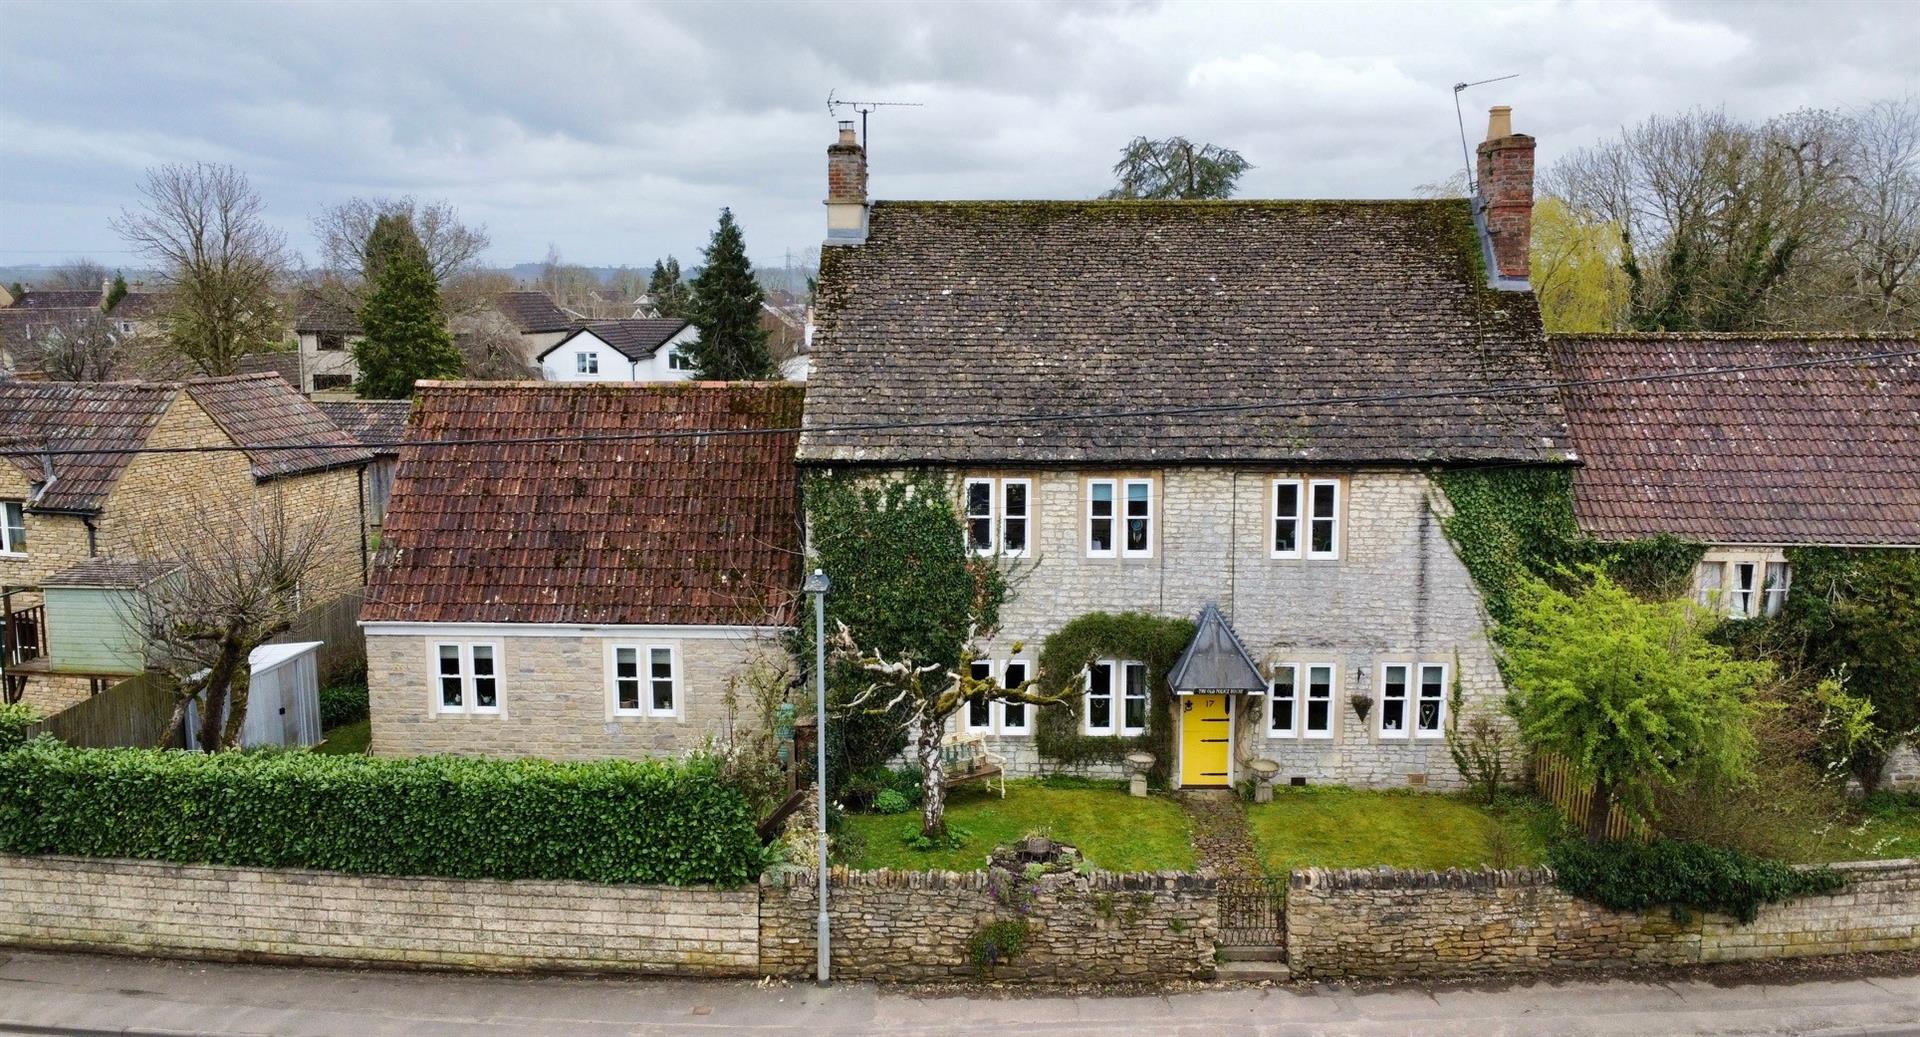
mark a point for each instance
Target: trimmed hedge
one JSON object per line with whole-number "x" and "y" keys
{"x": 615, "y": 821}
{"x": 343, "y": 704}
{"x": 15, "y": 719}
{"x": 1634, "y": 876}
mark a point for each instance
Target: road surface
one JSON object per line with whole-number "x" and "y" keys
{"x": 73, "y": 994}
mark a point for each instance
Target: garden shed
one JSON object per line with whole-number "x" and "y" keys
{"x": 283, "y": 700}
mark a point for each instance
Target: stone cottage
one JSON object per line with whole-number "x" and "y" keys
{"x": 578, "y": 575}
{"x": 1165, "y": 406}
{"x": 217, "y": 442}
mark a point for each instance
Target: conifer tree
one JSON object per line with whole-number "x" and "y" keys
{"x": 406, "y": 336}
{"x": 669, "y": 293}
{"x": 726, "y": 309}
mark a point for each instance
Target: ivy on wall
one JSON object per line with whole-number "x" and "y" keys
{"x": 1511, "y": 523}
{"x": 1154, "y": 640}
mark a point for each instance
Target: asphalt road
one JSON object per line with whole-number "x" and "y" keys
{"x": 72, "y": 994}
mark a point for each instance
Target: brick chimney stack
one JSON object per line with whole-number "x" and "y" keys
{"x": 846, "y": 188}
{"x": 1505, "y": 179}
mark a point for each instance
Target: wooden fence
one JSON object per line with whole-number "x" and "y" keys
{"x": 132, "y": 713}
{"x": 1554, "y": 778}
{"x": 337, "y": 623}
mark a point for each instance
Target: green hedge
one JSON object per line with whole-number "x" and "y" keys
{"x": 1634, "y": 876}
{"x": 15, "y": 719}
{"x": 342, "y": 704}
{"x": 613, "y": 822}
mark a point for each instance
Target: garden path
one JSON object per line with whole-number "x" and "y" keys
{"x": 1222, "y": 838}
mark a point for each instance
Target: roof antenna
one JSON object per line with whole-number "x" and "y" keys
{"x": 1466, "y": 157}
{"x": 865, "y": 108}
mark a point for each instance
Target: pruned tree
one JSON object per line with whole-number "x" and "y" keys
{"x": 1176, "y": 168}
{"x": 209, "y": 600}
{"x": 726, "y": 308}
{"x": 405, "y": 337}
{"x": 86, "y": 348}
{"x": 924, "y": 697}
{"x": 205, "y": 227}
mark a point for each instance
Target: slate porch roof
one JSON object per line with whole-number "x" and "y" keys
{"x": 976, "y": 312}
{"x": 1819, "y": 455}
{"x": 253, "y": 410}
{"x": 1215, "y": 660}
{"x": 635, "y": 338}
{"x": 631, "y": 530}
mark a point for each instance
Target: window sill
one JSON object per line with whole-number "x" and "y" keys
{"x": 13, "y": 554}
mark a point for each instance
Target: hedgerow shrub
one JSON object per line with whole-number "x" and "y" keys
{"x": 15, "y": 719}
{"x": 1632, "y": 876}
{"x": 614, "y": 821}
{"x": 343, "y": 704}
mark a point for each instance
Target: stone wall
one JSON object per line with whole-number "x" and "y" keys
{"x": 555, "y": 695}
{"x": 1389, "y": 924}
{"x": 918, "y": 926}
{"x": 1396, "y": 593}
{"x": 205, "y": 911}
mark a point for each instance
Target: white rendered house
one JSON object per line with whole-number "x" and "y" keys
{"x": 634, "y": 350}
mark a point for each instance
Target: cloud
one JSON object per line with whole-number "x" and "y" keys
{"x": 616, "y": 132}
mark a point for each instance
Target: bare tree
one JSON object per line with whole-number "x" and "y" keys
{"x": 222, "y": 596}
{"x": 569, "y": 285}
{"x": 1882, "y": 243}
{"x": 494, "y": 350}
{"x": 204, "y": 225}
{"x": 76, "y": 275}
{"x": 453, "y": 248}
{"x": 86, "y": 348}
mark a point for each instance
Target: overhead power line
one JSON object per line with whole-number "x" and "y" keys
{"x": 1026, "y": 420}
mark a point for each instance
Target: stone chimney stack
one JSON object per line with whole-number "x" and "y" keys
{"x": 846, "y": 188}
{"x": 1505, "y": 181}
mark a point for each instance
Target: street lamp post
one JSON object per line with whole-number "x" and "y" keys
{"x": 817, "y": 585}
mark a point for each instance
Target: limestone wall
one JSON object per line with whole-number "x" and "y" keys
{"x": 206, "y": 911}
{"x": 1389, "y": 924}
{"x": 917, "y": 926}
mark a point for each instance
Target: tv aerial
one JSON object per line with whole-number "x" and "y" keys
{"x": 835, "y": 105}
{"x": 1466, "y": 156}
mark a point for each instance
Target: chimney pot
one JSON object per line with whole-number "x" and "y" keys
{"x": 1504, "y": 183}
{"x": 1499, "y": 122}
{"x": 846, "y": 132}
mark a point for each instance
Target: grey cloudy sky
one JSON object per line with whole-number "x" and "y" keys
{"x": 616, "y": 131}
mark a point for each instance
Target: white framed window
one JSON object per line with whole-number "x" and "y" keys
{"x": 1287, "y": 495}
{"x": 663, "y": 681}
{"x": 1098, "y": 708}
{"x": 1393, "y": 700}
{"x": 1133, "y": 706}
{"x": 976, "y": 717}
{"x": 1778, "y": 576}
{"x": 13, "y": 527}
{"x": 1283, "y": 701}
{"x": 1318, "y": 720}
{"x": 1430, "y": 710}
{"x": 1741, "y": 592}
{"x": 586, "y": 363}
{"x": 1708, "y": 579}
{"x": 1016, "y": 718}
{"x": 1100, "y": 518}
{"x": 1323, "y": 523}
{"x": 1137, "y": 537}
{"x": 678, "y": 361}
{"x": 466, "y": 677}
{"x": 627, "y": 691}
{"x": 998, "y": 513}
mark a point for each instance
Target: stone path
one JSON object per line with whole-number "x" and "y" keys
{"x": 1222, "y": 838}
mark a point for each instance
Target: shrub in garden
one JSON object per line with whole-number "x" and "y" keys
{"x": 15, "y": 719}
{"x": 614, "y": 821}
{"x": 343, "y": 704}
{"x": 1633, "y": 876}
{"x": 890, "y": 801}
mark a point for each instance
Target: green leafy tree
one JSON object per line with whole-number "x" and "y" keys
{"x": 1176, "y": 168}
{"x": 406, "y": 333}
{"x": 1576, "y": 269}
{"x": 1634, "y": 694}
{"x": 668, "y": 290}
{"x": 116, "y": 292}
{"x": 903, "y": 586}
{"x": 726, "y": 308}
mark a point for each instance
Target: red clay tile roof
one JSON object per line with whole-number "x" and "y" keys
{"x": 634, "y": 531}
{"x": 635, "y": 338}
{"x": 252, "y": 409}
{"x": 1818, "y": 455}
{"x": 990, "y": 312}
{"x": 371, "y": 422}
{"x": 533, "y": 312}
{"x": 262, "y": 410}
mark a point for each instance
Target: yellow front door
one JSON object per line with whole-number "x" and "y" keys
{"x": 1206, "y": 739}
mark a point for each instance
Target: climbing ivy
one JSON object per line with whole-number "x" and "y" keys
{"x": 1511, "y": 523}
{"x": 1154, "y": 640}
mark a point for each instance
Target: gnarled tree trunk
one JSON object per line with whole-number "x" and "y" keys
{"x": 933, "y": 780}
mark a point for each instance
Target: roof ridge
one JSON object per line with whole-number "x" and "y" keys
{"x": 1733, "y": 336}
{"x": 1197, "y": 203}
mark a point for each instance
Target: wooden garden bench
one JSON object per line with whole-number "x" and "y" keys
{"x": 965, "y": 758}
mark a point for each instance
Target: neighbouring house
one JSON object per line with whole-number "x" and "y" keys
{"x": 328, "y": 330}
{"x": 539, "y": 322}
{"x": 1140, "y": 407}
{"x": 632, "y": 350}
{"x": 590, "y": 596}
{"x": 74, "y": 520}
{"x": 378, "y": 425}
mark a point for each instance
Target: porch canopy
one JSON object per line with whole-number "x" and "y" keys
{"x": 1215, "y": 661}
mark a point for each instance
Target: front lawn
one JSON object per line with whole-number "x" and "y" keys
{"x": 347, "y": 739}
{"x": 1112, "y": 830}
{"x": 1888, "y": 826}
{"x": 1333, "y": 827}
